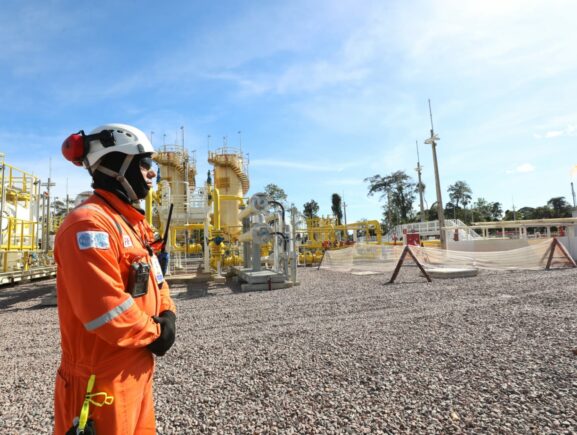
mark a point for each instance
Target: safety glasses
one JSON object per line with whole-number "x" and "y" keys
{"x": 146, "y": 163}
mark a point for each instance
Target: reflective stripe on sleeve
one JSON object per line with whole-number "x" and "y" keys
{"x": 108, "y": 316}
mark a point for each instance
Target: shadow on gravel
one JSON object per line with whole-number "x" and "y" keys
{"x": 15, "y": 294}
{"x": 201, "y": 289}
{"x": 193, "y": 291}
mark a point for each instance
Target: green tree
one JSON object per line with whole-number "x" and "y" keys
{"x": 482, "y": 210}
{"x": 311, "y": 209}
{"x": 399, "y": 189}
{"x": 560, "y": 206}
{"x": 421, "y": 188}
{"x": 525, "y": 213}
{"x": 496, "y": 211}
{"x": 337, "y": 207}
{"x": 275, "y": 193}
{"x": 485, "y": 211}
{"x": 380, "y": 184}
{"x": 543, "y": 212}
{"x": 433, "y": 212}
{"x": 450, "y": 209}
{"x": 460, "y": 193}
{"x": 511, "y": 215}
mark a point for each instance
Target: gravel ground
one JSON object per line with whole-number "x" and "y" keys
{"x": 338, "y": 354}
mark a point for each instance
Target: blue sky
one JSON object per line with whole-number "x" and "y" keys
{"x": 324, "y": 93}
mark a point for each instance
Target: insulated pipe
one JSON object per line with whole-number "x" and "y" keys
{"x": 256, "y": 204}
{"x": 283, "y": 213}
{"x": 258, "y": 234}
{"x": 3, "y": 199}
{"x": 245, "y": 237}
{"x": 247, "y": 212}
{"x": 245, "y": 246}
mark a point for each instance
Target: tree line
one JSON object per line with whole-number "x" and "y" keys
{"x": 399, "y": 191}
{"x": 310, "y": 208}
{"x": 400, "y": 194}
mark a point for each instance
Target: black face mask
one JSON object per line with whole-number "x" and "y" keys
{"x": 135, "y": 178}
{"x": 133, "y": 175}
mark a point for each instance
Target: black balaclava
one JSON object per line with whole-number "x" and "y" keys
{"x": 133, "y": 175}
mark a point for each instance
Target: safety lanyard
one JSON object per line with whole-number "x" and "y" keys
{"x": 89, "y": 399}
{"x": 127, "y": 222}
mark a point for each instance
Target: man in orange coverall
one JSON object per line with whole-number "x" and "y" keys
{"x": 114, "y": 305}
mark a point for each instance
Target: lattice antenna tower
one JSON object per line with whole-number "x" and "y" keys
{"x": 419, "y": 171}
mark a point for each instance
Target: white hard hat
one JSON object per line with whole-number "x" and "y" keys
{"x": 119, "y": 138}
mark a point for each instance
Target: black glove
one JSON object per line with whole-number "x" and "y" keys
{"x": 167, "y": 321}
{"x": 88, "y": 429}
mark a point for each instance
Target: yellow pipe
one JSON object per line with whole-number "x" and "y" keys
{"x": 148, "y": 207}
{"x": 5, "y": 265}
{"x": 173, "y": 245}
{"x": 216, "y": 212}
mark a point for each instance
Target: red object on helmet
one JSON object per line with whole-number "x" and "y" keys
{"x": 73, "y": 148}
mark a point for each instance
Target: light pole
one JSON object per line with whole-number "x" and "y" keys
{"x": 345, "y": 211}
{"x": 440, "y": 213}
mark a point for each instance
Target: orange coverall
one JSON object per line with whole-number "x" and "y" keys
{"x": 104, "y": 330}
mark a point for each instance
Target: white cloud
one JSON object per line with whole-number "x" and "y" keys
{"x": 522, "y": 169}
{"x": 343, "y": 182}
{"x": 551, "y": 134}
{"x": 570, "y": 130}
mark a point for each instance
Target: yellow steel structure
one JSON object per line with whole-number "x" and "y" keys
{"x": 322, "y": 232}
{"x": 177, "y": 170}
{"x": 20, "y": 227}
{"x": 231, "y": 180}
{"x": 176, "y": 164}
{"x": 208, "y": 214}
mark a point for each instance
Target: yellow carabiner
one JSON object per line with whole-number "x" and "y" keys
{"x": 106, "y": 399}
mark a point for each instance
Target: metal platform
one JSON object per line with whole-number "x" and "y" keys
{"x": 261, "y": 280}
{"x": 27, "y": 275}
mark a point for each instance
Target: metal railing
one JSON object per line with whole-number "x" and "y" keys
{"x": 431, "y": 228}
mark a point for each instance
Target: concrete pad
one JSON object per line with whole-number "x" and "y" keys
{"x": 446, "y": 273}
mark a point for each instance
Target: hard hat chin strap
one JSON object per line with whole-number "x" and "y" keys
{"x": 119, "y": 176}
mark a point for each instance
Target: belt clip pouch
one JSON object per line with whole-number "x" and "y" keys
{"x": 139, "y": 273}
